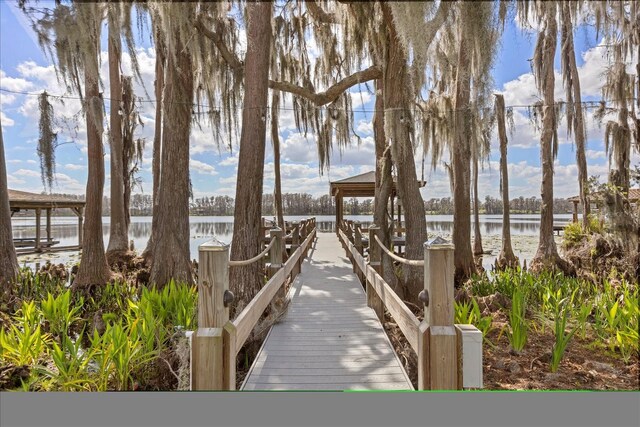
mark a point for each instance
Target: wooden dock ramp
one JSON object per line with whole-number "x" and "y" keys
{"x": 329, "y": 339}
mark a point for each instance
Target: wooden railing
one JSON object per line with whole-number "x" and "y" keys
{"x": 449, "y": 355}
{"x": 217, "y": 341}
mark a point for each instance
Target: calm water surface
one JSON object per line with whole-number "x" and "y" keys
{"x": 524, "y": 232}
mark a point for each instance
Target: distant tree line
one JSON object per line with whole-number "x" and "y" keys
{"x": 493, "y": 206}
{"x": 306, "y": 204}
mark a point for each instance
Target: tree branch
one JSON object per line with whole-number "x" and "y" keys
{"x": 231, "y": 59}
{"x": 322, "y": 98}
{"x": 431, "y": 28}
{"x": 319, "y": 14}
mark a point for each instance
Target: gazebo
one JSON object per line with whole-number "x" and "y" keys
{"x": 634, "y": 198}
{"x": 363, "y": 185}
{"x": 22, "y": 200}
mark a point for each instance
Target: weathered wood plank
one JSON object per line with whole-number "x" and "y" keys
{"x": 329, "y": 339}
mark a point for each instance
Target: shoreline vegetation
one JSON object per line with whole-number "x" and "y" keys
{"x": 307, "y": 204}
{"x": 574, "y": 332}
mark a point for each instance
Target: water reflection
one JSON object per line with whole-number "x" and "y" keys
{"x": 524, "y": 230}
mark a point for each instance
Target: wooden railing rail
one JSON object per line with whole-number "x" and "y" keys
{"x": 217, "y": 341}
{"x": 449, "y": 356}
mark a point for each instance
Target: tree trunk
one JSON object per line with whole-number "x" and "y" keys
{"x": 246, "y": 281}
{"x": 477, "y": 237}
{"x": 546, "y": 256}
{"x": 399, "y": 120}
{"x": 506, "y": 257}
{"x": 118, "y": 235}
{"x": 384, "y": 183}
{"x": 8, "y": 260}
{"x": 460, "y": 163}
{"x": 94, "y": 269}
{"x": 170, "y": 250}
{"x": 275, "y": 140}
{"x": 157, "y": 140}
{"x": 579, "y": 129}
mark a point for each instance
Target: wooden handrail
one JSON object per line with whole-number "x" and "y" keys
{"x": 440, "y": 345}
{"x": 406, "y": 320}
{"x": 247, "y": 319}
{"x": 216, "y": 342}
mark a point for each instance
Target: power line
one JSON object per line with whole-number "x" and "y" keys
{"x": 596, "y": 103}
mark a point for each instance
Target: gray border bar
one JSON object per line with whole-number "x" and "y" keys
{"x": 283, "y": 409}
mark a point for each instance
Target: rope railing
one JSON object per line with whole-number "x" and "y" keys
{"x": 233, "y": 263}
{"x": 217, "y": 341}
{"x": 449, "y": 355}
{"x": 411, "y": 262}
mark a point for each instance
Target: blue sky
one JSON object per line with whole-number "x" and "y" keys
{"x": 24, "y": 68}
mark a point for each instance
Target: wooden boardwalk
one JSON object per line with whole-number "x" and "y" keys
{"x": 328, "y": 339}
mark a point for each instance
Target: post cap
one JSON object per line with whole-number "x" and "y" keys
{"x": 214, "y": 245}
{"x": 438, "y": 243}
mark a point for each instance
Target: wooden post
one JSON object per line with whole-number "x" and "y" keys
{"x": 208, "y": 347}
{"x": 373, "y": 299}
{"x": 338, "y": 211}
{"x": 439, "y": 316}
{"x": 575, "y": 211}
{"x": 48, "y": 227}
{"x": 38, "y": 213}
{"x": 295, "y": 244}
{"x": 80, "y": 213}
{"x": 399, "y": 233}
{"x": 275, "y": 254}
{"x": 357, "y": 242}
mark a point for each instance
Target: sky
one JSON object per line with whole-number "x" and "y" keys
{"x": 213, "y": 168}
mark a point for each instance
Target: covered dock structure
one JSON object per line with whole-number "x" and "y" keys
{"x": 633, "y": 197}
{"x": 363, "y": 185}
{"x": 44, "y": 203}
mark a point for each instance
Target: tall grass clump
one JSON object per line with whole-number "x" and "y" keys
{"x": 561, "y": 309}
{"x": 518, "y": 327}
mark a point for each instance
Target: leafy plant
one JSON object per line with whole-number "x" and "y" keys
{"x": 469, "y": 313}
{"x": 24, "y": 343}
{"x": 71, "y": 363}
{"x": 59, "y": 313}
{"x": 562, "y": 308}
{"x": 518, "y": 327}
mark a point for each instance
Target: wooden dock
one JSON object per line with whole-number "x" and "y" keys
{"x": 329, "y": 339}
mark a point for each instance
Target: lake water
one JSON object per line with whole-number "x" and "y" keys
{"x": 524, "y": 232}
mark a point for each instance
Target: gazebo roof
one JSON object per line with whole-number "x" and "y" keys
{"x": 363, "y": 185}
{"x": 25, "y": 200}
{"x": 634, "y": 196}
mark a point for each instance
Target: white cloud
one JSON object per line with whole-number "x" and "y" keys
{"x": 27, "y": 172}
{"x": 12, "y": 83}
{"x": 202, "y": 168}
{"x": 593, "y": 155}
{"x": 74, "y": 167}
{"x": 5, "y": 120}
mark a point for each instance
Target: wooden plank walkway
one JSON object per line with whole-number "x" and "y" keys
{"x": 328, "y": 339}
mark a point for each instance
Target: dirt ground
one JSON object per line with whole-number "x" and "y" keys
{"x": 583, "y": 367}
